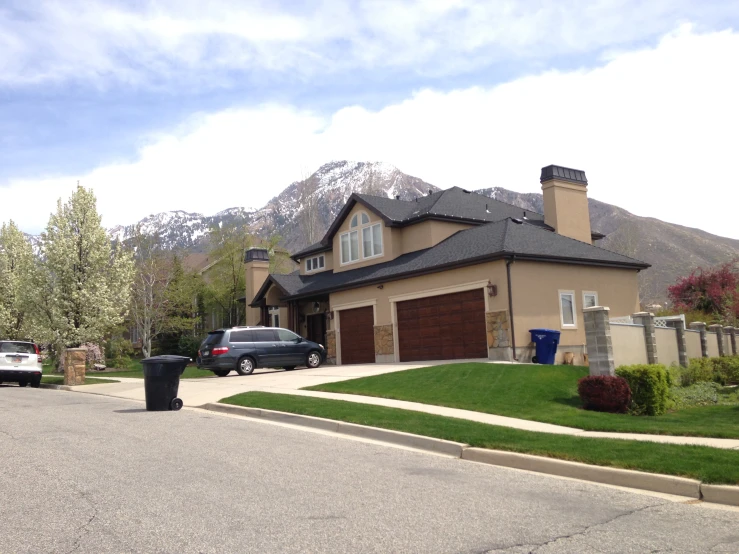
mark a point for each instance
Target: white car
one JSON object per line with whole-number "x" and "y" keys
{"x": 20, "y": 362}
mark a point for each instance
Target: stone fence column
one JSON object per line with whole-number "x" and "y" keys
{"x": 598, "y": 338}
{"x": 74, "y": 366}
{"x": 647, "y": 320}
{"x": 682, "y": 347}
{"x": 732, "y": 338}
{"x": 719, "y": 330}
{"x": 700, "y": 326}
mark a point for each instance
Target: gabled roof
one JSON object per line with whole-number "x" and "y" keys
{"x": 509, "y": 238}
{"x": 454, "y": 204}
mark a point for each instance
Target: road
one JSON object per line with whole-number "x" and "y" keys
{"x": 93, "y": 474}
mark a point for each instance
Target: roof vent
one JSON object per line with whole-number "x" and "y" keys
{"x": 516, "y": 220}
{"x": 486, "y": 209}
{"x": 524, "y": 215}
{"x": 397, "y": 197}
{"x": 431, "y": 192}
{"x": 256, "y": 254}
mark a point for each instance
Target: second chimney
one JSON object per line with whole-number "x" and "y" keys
{"x": 565, "y": 193}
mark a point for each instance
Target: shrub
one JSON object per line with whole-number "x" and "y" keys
{"x": 649, "y": 388}
{"x": 604, "y": 393}
{"x": 727, "y": 370}
{"x": 700, "y": 394}
{"x": 699, "y": 370}
{"x": 188, "y": 346}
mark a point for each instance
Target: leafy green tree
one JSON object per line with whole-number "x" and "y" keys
{"x": 84, "y": 280}
{"x": 16, "y": 264}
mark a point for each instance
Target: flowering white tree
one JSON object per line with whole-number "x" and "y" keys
{"x": 16, "y": 264}
{"x": 84, "y": 281}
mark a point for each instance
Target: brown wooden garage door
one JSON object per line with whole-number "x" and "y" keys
{"x": 447, "y": 327}
{"x": 357, "y": 335}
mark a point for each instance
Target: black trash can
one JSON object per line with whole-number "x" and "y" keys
{"x": 161, "y": 381}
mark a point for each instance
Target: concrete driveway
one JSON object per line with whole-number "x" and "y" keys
{"x": 196, "y": 392}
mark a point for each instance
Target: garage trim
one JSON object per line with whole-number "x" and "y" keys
{"x": 424, "y": 294}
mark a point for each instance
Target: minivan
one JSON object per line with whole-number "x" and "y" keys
{"x": 244, "y": 349}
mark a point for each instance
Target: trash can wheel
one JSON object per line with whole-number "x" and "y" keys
{"x": 534, "y": 360}
{"x": 176, "y": 404}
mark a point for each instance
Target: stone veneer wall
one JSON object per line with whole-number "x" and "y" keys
{"x": 384, "y": 343}
{"x": 74, "y": 366}
{"x": 498, "y": 328}
{"x": 331, "y": 346}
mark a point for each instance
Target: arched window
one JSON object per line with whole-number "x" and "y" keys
{"x": 371, "y": 234}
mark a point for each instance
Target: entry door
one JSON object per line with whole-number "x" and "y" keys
{"x": 317, "y": 328}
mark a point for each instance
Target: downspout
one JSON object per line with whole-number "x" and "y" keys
{"x": 510, "y": 305}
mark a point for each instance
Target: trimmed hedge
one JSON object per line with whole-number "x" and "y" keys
{"x": 724, "y": 370}
{"x": 649, "y": 385}
{"x": 604, "y": 393}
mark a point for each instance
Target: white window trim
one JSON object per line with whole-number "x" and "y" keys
{"x": 589, "y": 293}
{"x": 564, "y": 325}
{"x": 370, "y": 225}
{"x": 341, "y": 252}
{"x": 318, "y": 268}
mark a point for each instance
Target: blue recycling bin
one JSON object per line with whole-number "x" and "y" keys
{"x": 546, "y": 341}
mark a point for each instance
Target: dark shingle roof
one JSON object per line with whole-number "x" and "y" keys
{"x": 491, "y": 241}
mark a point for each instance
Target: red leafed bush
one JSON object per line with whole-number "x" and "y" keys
{"x": 604, "y": 393}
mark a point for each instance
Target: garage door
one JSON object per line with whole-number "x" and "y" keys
{"x": 447, "y": 327}
{"x": 357, "y": 335}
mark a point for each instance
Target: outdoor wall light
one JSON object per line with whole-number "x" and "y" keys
{"x": 380, "y": 287}
{"x": 492, "y": 289}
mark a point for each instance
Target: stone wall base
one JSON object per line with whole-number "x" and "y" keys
{"x": 501, "y": 354}
{"x": 384, "y": 358}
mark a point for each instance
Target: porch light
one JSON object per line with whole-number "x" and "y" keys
{"x": 492, "y": 289}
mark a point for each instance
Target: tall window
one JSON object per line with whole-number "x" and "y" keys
{"x": 274, "y": 316}
{"x": 567, "y": 308}
{"x": 371, "y": 239}
{"x": 589, "y": 299}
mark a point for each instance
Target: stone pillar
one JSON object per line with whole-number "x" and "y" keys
{"x": 719, "y": 330}
{"x": 732, "y": 339}
{"x": 384, "y": 344}
{"x": 647, "y": 320}
{"x": 682, "y": 347}
{"x": 498, "y": 331}
{"x": 74, "y": 366}
{"x": 331, "y": 346}
{"x": 700, "y": 326}
{"x": 598, "y": 337}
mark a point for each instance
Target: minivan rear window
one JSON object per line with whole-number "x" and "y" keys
{"x": 213, "y": 338}
{"x": 241, "y": 336}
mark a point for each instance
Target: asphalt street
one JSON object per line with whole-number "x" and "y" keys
{"x": 93, "y": 474}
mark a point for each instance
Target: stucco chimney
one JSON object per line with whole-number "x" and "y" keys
{"x": 257, "y": 271}
{"x": 565, "y": 193}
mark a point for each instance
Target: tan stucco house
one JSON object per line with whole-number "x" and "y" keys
{"x": 450, "y": 275}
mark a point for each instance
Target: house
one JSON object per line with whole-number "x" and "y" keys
{"x": 451, "y": 275}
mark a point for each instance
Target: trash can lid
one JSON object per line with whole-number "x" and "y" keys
{"x": 167, "y": 358}
{"x": 544, "y": 331}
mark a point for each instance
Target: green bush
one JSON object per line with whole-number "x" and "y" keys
{"x": 727, "y": 369}
{"x": 650, "y": 393}
{"x": 188, "y": 346}
{"x": 699, "y": 370}
{"x": 700, "y": 394}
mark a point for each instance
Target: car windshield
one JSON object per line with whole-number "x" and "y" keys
{"x": 18, "y": 347}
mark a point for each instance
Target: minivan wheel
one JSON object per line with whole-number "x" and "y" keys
{"x": 245, "y": 367}
{"x": 314, "y": 359}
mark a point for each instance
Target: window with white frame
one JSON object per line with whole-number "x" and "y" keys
{"x": 589, "y": 299}
{"x": 371, "y": 234}
{"x": 274, "y": 316}
{"x": 567, "y": 308}
{"x": 315, "y": 263}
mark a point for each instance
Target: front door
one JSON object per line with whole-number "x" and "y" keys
{"x": 317, "y": 328}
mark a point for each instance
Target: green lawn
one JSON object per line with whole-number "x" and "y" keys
{"x": 191, "y": 372}
{"x": 59, "y": 380}
{"x": 535, "y": 392}
{"x": 711, "y": 465}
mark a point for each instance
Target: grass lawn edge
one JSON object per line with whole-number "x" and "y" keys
{"x": 705, "y": 464}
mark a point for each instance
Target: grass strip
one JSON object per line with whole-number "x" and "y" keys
{"x": 191, "y": 372}
{"x": 711, "y": 465}
{"x": 535, "y": 392}
{"x": 54, "y": 380}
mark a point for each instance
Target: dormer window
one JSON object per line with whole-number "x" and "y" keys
{"x": 315, "y": 263}
{"x": 371, "y": 239}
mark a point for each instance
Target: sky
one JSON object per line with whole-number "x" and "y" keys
{"x": 201, "y": 106}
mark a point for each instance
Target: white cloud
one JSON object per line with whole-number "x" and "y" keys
{"x": 109, "y": 41}
{"x": 655, "y": 130}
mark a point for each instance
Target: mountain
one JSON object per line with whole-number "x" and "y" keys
{"x": 302, "y": 212}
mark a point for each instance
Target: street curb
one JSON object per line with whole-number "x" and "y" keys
{"x": 720, "y": 494}
{"x": 668, "y": 484}
{"x": 398, "y": 438}
{"x": 55, "y": 387}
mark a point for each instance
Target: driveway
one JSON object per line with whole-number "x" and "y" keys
{"x": 196, "y": 392}
{"x": 94, "y": 474}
